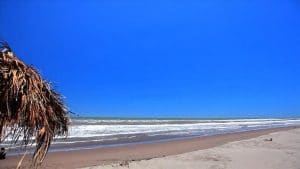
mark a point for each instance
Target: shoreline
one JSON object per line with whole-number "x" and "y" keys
{"x": 156, "y": 140}
{"x": 135, "y": 152}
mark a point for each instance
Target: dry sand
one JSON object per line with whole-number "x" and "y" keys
{"x": 283, "y": 152}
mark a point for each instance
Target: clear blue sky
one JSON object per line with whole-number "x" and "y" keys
{"x": 163, "y": 58}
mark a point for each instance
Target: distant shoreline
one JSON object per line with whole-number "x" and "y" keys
{"x": 177, "y": 118}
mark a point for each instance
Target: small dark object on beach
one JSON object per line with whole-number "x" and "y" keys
{"x": 2, "y": 153}
{"x": 270, "y": 139}
{"x": 124, "y": 164}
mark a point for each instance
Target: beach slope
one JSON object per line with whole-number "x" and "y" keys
{"x": 259, "y": 153}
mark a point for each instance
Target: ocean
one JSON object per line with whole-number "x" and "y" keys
{"x": 89, "y": 133}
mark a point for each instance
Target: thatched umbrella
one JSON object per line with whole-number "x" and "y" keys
{"x": 30, "y": 110}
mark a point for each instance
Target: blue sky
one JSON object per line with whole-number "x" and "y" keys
{"x": 163, "y": 58}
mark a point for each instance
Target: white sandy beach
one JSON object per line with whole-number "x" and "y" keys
{"x": 256, "y": 153}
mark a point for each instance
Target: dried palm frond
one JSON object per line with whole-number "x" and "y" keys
{"x": 30, "y": 110}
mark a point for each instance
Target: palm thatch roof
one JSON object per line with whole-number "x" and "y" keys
{"x": 30, "y": 110}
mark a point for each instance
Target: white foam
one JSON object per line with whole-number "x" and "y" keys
{"x": 93, "y": 130}
{"x": 90, "y": 128}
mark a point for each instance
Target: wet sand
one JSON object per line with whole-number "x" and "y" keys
{"x": 273, "y": 151}
{"x": 134, "y": 154}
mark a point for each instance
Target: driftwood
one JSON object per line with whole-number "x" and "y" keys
{"x": 30, "y": 110}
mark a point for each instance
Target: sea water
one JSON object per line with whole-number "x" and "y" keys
{"x": 89, "y": 132}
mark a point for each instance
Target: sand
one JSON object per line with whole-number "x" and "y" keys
{"x": 283, "y": 152}
{"x": 235, "y": 150}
